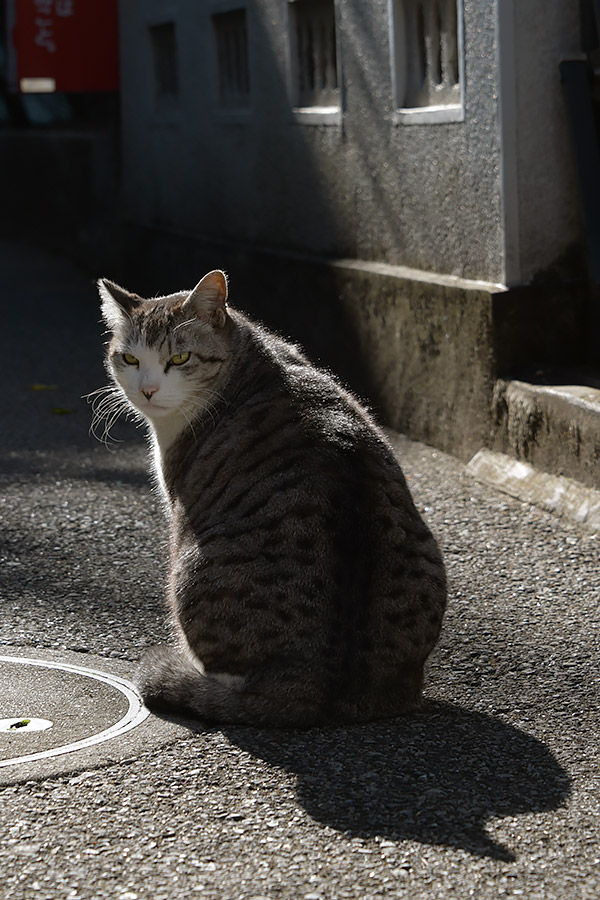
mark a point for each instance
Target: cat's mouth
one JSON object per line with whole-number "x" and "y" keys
{"x": 151, "y": 407}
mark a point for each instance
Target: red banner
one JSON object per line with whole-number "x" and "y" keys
{"x": 66, "y": 45}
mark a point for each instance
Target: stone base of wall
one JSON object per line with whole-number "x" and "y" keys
{"x": 424, "y": 350}
{"x": 553, "y": 427}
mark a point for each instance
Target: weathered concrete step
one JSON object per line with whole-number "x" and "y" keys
{"x": 555, "y": 428}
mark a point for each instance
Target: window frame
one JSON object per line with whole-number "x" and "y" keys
{"x": 230, "y": 113}
{"x": 313, "y": 115}
{"x": 430, "y": 114}
{"x": 165, "y": 110}
{"x": 222, "y": 114}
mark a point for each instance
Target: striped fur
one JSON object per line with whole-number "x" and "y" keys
{"x": 304, "y": 586}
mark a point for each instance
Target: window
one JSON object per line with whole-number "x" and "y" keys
{"x": 427, "y": 60}
{"x": 164, "y": 58}
{"x": 233, "y": 75}
{"x": 314, "y": 62}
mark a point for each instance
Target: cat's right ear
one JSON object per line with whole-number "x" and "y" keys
{"x": 208, "y": 300}
{"x": 117, "y": 303}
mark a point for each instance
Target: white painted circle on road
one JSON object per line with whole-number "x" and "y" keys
{"x": 134, "y": 716}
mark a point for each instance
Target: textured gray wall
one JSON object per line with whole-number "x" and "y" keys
{"x": 426, "y": 196}
{"x": 490, "y": 198}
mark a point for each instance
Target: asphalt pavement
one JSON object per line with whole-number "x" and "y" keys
{"x": 491, "y": 790}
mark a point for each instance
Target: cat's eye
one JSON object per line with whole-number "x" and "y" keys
{"x": 179, "y": 359}
{"x": 130, "y": 359}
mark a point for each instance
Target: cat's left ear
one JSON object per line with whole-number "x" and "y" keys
{"x": 116, "y": 302}
{"x": 208, "y": 300}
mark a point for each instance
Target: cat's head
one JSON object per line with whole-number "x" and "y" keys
{"x": 167, "y": 354}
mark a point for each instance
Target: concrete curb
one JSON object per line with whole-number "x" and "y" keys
{"x": 557, "y": 494}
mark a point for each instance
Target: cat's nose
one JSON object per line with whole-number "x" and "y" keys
{"x": 148, "y": 392}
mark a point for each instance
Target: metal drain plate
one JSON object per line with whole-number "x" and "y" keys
{"x": 65, "y": 712}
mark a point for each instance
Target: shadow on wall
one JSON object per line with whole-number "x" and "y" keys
{"x": 294, "y": 175}
{"x": 275, "y": 194}
{"x": 378, "y": 231}
{"x": 249, "y": 179}
{"x": 299, "y": 300}
{"x": 434, "y": 777}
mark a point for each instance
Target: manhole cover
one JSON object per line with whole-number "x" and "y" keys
{"x": 78, "y": 706}
{"x": 65, "y": 711}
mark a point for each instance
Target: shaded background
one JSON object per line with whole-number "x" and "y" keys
{"x": 422, "y": 262}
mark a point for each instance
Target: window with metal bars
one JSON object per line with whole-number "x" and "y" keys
{"x": 233, "y": 74}
{"x": 427, "y": 53}
{"x": 314, "y": 53}
{"x": 164, "y": 56}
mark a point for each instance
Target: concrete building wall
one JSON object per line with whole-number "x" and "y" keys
{"x": 425, "y": 195}
{"x": 384, "y": 244}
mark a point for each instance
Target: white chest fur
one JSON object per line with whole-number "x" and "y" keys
{"x": 164, "y": 432}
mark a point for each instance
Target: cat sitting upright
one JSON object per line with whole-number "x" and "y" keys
{"x": 304, "y": 586}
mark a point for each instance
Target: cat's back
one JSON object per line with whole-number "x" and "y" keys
{"x": 279, "y": 414}
{"x": 294, "y": 483}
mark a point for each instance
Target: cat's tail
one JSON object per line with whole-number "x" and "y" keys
{"x": 169, "y": 682}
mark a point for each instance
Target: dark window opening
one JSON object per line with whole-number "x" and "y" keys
{"x": 233, "y": 71}
{"x": 314, "y": 53}
{"x": 164, "y": 55}
{"x": 427, "y": 52}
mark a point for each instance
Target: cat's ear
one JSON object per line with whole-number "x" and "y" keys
{"x": 117, "y": 303}
{"x": 208, "y": 300}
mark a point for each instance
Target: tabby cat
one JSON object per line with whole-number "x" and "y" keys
{"x": 303, "y": 585}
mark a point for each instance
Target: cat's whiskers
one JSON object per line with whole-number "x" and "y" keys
{"x": 108, "y": 418}
{"x": 208, "y": 400}
{"x": 188, "y": 416}
{"x": 107, "y": 405}
{"x": 101, "y": 394}
{"x": 205, "y": 400}
{"x": 107, "y": 388}
{"x": 113, "y": 415}
{"x": 191, "y": 409}
{"x": 213, "y": 393}
{"x": 183, "y": 324}
{"x": 102, "y": 400}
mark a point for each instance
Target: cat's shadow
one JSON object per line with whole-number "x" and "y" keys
{"x": 435, "y": 777}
